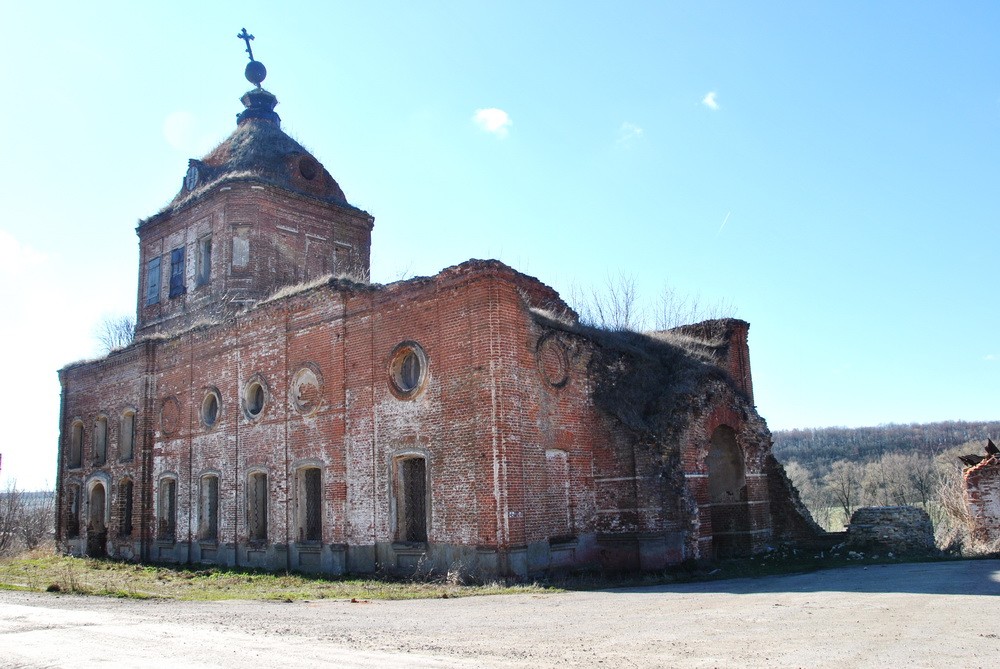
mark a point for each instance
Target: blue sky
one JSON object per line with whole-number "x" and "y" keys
{"x": 828, "y": 168}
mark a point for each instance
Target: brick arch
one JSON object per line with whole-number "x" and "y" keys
{"x": 727, "y": 494}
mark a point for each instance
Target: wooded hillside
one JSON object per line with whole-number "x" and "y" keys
{"x": 817, "y": 449}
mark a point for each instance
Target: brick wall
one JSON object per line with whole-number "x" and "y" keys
{"x": 290, "y": 239}
{"x": 523, "y": 471}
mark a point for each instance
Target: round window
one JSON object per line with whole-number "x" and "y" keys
{"x": 253, "y": 398}
{"x": 408, "y": 369}
{"x": 210, "y": 409}
{"x": 308, "y": 168}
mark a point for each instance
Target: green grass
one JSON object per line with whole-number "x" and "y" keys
{"x": 45, "y": 571}
{"x": 40, "y": 572}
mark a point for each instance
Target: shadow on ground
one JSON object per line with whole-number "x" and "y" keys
{"x": 946, "y": 577}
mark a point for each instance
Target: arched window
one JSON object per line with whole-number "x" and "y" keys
{"x": 75, "y": 456}
{"x": 166, "y": 510}
{"x": 208, "y": 508}
{"x": 727, "y": 492}
{"x": 257, "y": 507}
{"x": 100, "y": 440}
{"x": 410, "y": 483}
{"x": 126, "y": 435}
{"x": 309, "y": 504}
{"x": 97, "y": 528}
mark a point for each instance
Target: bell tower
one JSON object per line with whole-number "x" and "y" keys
{"x": 256, "y": 214}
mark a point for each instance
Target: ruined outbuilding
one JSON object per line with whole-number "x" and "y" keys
{"x": 981, "y": 479}
{"x": 277, "y": 410}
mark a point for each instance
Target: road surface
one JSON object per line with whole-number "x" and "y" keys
{"x": 944, "y": 614}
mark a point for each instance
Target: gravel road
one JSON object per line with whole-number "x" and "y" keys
{"x": 944, "y": 614}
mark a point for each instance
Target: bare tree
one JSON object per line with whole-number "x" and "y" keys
{"x": 115, "y": 332}
{"x": 11, "y": 510}
{"x": 26, "y": 519}
{"x": 613, "y": 307}
{"x": 37, "y": 519}
{"x": 844, "y": 483}
{"x": 616, "y": 306}
{"x": 674, "y": 309}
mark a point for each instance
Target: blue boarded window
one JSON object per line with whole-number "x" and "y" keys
{"x": 177, "y": 272}
{"x": 153, "y": 281}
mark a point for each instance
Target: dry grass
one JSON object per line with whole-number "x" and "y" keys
{"x": 41, "y": 571}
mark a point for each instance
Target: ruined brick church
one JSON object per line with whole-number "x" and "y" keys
{"x": 278, "y": 410}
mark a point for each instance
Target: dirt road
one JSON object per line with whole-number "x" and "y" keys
{"x": 910, "y": 615}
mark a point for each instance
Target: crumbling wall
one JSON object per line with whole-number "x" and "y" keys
{"x": 982, "y": 494}
{"x": 900, "y": 529}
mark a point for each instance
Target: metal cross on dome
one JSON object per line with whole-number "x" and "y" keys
{"x": 246, "y": 37}
{"x": 255, "y": 71}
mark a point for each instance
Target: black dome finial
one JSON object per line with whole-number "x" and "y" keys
{"x": 255, "y": 72}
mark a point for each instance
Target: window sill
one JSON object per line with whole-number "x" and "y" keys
{"x": 410, "y": 547}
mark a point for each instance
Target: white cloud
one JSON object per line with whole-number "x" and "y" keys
{"x": 991, "y": 357}
{"x": 628, "y": 133}
{"x": 15, "y": 257}
{"x": 182, "y": 132}
{"x": 494, "y": 121}
{"x": 710, "y": 101}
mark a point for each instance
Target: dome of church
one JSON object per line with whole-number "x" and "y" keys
{"x": 259, "y": 151}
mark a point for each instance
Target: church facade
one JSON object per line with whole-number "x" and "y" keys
{"x": 277, "y": 410}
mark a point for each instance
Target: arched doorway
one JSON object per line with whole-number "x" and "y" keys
{"x": 97, "y": 531}
{"x": 727, "y": 491}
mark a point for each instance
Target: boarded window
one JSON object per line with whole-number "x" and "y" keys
{"x": 257, "y": 507}
{"x": 125, "y": 506}
{"x": 310, "y": 504}
{"x": 204, "y": 260}
{"x": 153, "y": 281}
{"x": 167, "y": 511}
{"x": 73, "y": 511}
{"x": 208, "y": 509}
{"x": 126, "y": 435}
{"x": 75, "y": 445}
{"x": 100, "y": 441}
{"x": 177, "y": 272}
{"x": 411, "y": 500}
{"x": 241, "y": 248}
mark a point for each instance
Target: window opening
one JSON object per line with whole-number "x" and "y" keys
{"x": 76, "y": 444}
{"x": 177, "y": 272}
{"x": 210, "y": 409}
{"x": 126, "y": 435}
{"x": 100, "y": 441}
{"x": 204, "y": 260}
{"x": 407, "y": 370}
{"x": 153, "y": 281}
{"x": 208, "y": 509}
{"x": 97, "y": 533}
{"x": 253, "y": 398}
{"x": 257, "y": 507}
{"x": 125, "y": 496}
{"x": 241, "y": 248}
{"x": 167, "y": 513}
{"x": 557, "y": 494}
{"x": 310, "y": 505}
{"x": 411, "y": 500}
